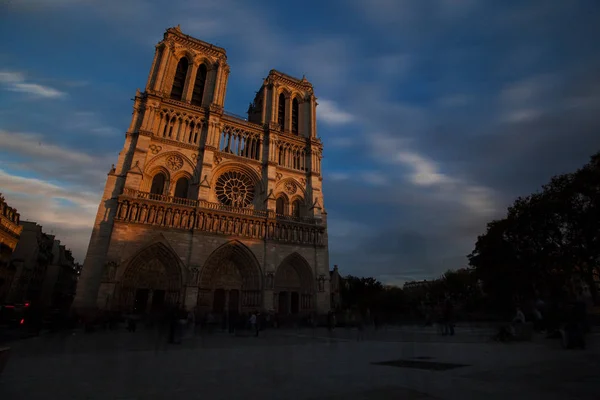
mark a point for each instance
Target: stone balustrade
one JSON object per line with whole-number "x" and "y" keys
{"x": 186, "y": 214}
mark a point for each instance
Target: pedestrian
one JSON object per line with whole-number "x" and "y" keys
{"x": 253, "y": 324}
{"x": 448, "y": 318}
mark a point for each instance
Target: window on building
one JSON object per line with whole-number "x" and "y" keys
{"x": 199, "y": 84}
{"x": 179, "y": 80}
{"x": 158, "y": 184}
{"x": 281, "y": 112}
{"x": 296, "y": 208}
{"x": 280, "y": 206}
{"x": 295, "y": 110}
{"x": 181, "y": 188}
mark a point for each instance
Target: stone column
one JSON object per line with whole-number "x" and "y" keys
{"x": 152, "y": 68}
{"x": 313, "y": 116}
{"x": 166, "y": 54}
{"x": 216, "y": 94}
{"x": 190, "y": 80}
{"x": 224, "y": 78}
{"x": 135, "y": 116}
{"x": 149, "y": 300}
{"x": 274, "y": 101}
{"x": 263, "y": 119}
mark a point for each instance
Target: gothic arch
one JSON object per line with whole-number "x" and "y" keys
{"x": 301, "y": 268}
{"x": 149, "y": 176}
{"x": 294, "y": 288}
{"x": 282, "y": 204}
{"x": 160, "y": 162}
{"x": 175, "y": 181}
{"x": 202, "y": 59}
{"x": 181, "y": 53}
{"x": 295, "y": 114}
{"x": 154, "y": 267}
{"x": 285, "y": 91}
{"x": 181, "y": 174}
{"x": 241, "y": 257}
{"x": 180, "y": 76}
{"x": 280, "y": 187}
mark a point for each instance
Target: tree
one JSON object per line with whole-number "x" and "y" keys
{"x": 544, "y": 239}
{"x": 360, "y": 292}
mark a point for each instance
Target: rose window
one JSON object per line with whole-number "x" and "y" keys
{"x": 235, "y": 189}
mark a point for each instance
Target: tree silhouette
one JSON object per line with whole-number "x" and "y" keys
{"x": 545, "y": 239}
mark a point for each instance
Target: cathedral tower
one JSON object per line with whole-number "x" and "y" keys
{"x": 208, "y": 210}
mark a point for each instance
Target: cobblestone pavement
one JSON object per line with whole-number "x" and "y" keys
{"x": 293, "y": 364}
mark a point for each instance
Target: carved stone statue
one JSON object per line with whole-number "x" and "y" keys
{"x": 193, "y": 277}
{"x": 143, "y": 214}
{"x": 110, "y": 271}
{"x": 176, "y": 219}
{"x": 184, "y": 219}
{"x": 124, "y": 208}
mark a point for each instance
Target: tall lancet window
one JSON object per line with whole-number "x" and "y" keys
{"x": 281, "y": 112}
{"x": 295, "y": 109}
{"x": 179, "y": 80}
{"x": 158, "y": 184}
{"x": 199, "y": 85}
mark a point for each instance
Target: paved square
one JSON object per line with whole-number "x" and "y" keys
{"x": 293, "y": 364}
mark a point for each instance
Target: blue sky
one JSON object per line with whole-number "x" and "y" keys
{"x": 435, "y": 114}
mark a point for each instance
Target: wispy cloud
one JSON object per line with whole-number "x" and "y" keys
{"x": 37, "y": 154}
{"x": 90, "y": 122}
{"x": 66, "y": 211}
{"x": 16, "y": 82}
{"x": 34, "y": 145}
{"x": 426, "y": 173}
{"x": 330, "y": 113}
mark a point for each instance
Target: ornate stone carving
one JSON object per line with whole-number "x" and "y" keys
{"x": 217, "y": 159}
{"x": 235, "y": 189}
{"x": 110, "y": 271}
{"x": 321, "y": 281}
{"x": 174, "y": 163}
{"x": 193, "y": 277}
{"x": 290, "y": 187}
{"x": 270, "y": 279}
{"x": 303, "y": 181}
{"x": 155, "y": 149}
{"x": 278, "y": 176}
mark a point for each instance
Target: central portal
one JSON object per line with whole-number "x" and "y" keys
{"x": 230, "y": 282}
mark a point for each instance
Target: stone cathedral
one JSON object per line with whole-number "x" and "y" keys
{"x": 208, "y": 210}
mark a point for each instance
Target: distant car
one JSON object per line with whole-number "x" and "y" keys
{"x": 14, "y": 316}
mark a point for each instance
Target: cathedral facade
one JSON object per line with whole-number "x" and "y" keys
{"x": 208, "y": 210}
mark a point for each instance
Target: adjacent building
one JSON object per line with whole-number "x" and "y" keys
{"x": 10, "y": 232}
{"x": 335, "y": 288}
{"x": 208, "y": 210}
{"x": 45, "y": 271}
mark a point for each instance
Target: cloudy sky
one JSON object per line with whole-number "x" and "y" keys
{"x": 435, "y": 114}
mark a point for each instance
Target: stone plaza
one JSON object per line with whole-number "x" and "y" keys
{"x": 299, "y": 364}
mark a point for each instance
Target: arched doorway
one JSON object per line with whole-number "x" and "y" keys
{"x": 230, "y": 281}
{"x": 151, "y": 281}
{"x": 294, "y": 286}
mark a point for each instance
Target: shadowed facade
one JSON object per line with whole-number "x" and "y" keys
{"x": 207, "y": 209}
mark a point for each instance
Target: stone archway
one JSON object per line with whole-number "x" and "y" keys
{"x": 294, "y": 287}
{"x": 230, "y": 281}
{"x": 151, "y": 281}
